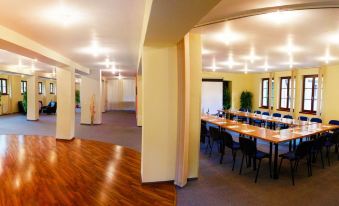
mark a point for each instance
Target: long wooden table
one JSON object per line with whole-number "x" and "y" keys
{"x": 274, "y": 137}
{"x": 266, "y": 118}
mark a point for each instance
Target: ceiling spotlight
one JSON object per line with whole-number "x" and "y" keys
{"x": 120, "y": 77}
{"x": 291, "y": 62}
{"x": 327, "y": 58}
{"x": 229, "y": 37}
{"x": 63, "y": 15}
{"x": 107, "y": 62}
{"x": 214, "y": 67}
{"x": 290, "y": 48}
{"x": 94, "y": 49}
{"x": 113, "y": 68}
{"x": 246, "y": 69}
{"x": 230, "y": 62}
{"x": 252, "y": 56}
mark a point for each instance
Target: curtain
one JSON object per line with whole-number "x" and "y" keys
{"x": 121, "y": 94}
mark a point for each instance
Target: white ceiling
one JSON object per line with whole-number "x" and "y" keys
{"x": 114, "y": 24}
{"x": 312, "y": 32}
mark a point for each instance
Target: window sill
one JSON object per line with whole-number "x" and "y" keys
{"x": 283, "y": 110}
{"x": 310, "y": 113}
{"x": 263, "y": 107}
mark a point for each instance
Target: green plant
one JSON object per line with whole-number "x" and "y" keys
{"x": 77, "y": 96}
{"x": 24, "y": 101}
{"x": 246, "y": 100}
{"x": 227, "y": 98}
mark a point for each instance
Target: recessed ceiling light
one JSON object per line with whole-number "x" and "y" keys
{"x": 252, "y": 56}
{"x": 280, "y": 17}
{"x": 228, "y": 36}
{"x": 230, "y": 62}
{"x": 327, "y": 58}
{"x": 120, "y": 77}
{"x": 290, "y": 47}
{"x": 95, "y": 49}
{"x": 64, "y": 15}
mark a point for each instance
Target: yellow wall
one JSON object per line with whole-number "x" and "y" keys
{"x": 159, "y": 106}
{"x": 252, "y": 82}
{"x": 10, "y": 101}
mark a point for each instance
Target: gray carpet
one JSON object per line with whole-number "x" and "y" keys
{"x": 219, "y": 185}
{"x": 119, "y": 127}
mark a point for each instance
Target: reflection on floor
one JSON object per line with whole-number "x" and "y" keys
{"x": 119, "y": 127}
{"x": 42, "y": 171}
{"x": 218, "y": 185}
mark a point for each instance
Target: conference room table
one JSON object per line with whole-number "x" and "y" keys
{"x": 273, "y": 137}
{"x": 267, "y": 118}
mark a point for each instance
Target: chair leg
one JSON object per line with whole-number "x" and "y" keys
{"x": 208, "y": 145}
{"x": 234, "y": 153}
{"x": 256, "y": 177}
{"x": 242, "y": 162}
{"x": 281, "y": 161}
{"x": 328, "y": 155}
{"x": 322, "y": 159}
{"x": 292, "y": 172}
{"x": 270, "y": 165}
{"x": 211, "y": 148}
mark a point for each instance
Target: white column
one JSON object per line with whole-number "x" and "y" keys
{"x": 65, "y": 103}
{"x": 90, "y": 97}
{"x": 32, "y": 98}
{"x": 103, "y": 94}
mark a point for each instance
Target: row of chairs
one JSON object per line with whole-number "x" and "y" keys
{"x": 308, "y": 150}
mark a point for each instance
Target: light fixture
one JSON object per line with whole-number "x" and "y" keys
{"x": 266, "y": 66}
{"x": 107, "y": 62}
{"x": 290, "y": 48}
{"x": 327, "y": 58}
{"x": 246, "y": 69}
{"x": 228, "y": 36}
{"x": 213, "y": 67}
{"x": 120, "y": 77}
{"x": 252, "y": 56}
{"x": 113, "y": 68}
{"x": 280, "y": 17}
{"x": 230, "y": 62}
{"x": 63, "y": 15}
{"x": 95, "y": 49}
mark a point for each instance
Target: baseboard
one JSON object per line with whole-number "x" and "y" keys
{"x": 160, "y": 182}
{"x": 65, "y": 140}
{"x": 88, "y": 124}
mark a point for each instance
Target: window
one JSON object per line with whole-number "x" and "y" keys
{"x": 310, "y": 94}
{"x": 3, "y": 86}
{"x": 51, "y": 88}
{"x": 40, "y": 87}
{"x": 23, "y": 87}
{"x": 272, "y": 94}
{"x": 285, "y": 93}
{"x": 264, "y": 92}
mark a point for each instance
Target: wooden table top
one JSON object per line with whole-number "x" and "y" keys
{"x": 273, "y": 136}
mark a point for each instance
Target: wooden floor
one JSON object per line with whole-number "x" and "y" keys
{"x": 42, "y": 171}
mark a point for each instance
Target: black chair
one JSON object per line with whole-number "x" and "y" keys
{"x": 50, "y": 108}
{"x": 228, "y": 142}
{"x": 249, "y": 149}
{"x": 270, "y": 124}
{"x": 303, "y": 118}
{"x": 318, "y": 145}
{"x": 287, "y": 116}
{"x": 303, "y": 151}
{"x": 21, "y": 107}
{"x": 257, "y": 121}
{"x": 214, "y": 138}
{"x": 317, "y": 120}
{"x": 331, "y": 140}
{"x": 266, "y": 113}
{"x": 203, "y": 132}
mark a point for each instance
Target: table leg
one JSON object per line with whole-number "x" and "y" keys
{"x": 270, "y": 160}
{"x": 290, "y": 146}
{"x": 254, "y": 160}
{"x": 275, "y": 163}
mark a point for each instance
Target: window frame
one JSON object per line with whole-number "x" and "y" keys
{"x": 288, "y": 93}
{"x": 51, "y": 88}
{"x": 313, "y": 110}
{"x": 262, "y": 93}
{"x": 1, "y": 87}
{"x": 22, "y": 88}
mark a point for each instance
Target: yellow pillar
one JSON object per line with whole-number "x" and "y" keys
{"x": 65, "y": 103}
{"x": 32, "y": 98}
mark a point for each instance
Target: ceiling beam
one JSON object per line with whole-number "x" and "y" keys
{"x": 19, "y": 44}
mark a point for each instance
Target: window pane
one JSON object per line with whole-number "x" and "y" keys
{"x": 284, "y": 83}
{"x": 265, "y": 102}
{"x": 265, "y": 84}
{"x": 315, "y": 105}
{"x": 308, "y": 83}
{"x": 265, "y": 93}
{"x": 316, "y": 82}
{"x": 308, "y": 94}
{"x": 307, "y": 104}
{"x": 284, "y": 93}
{"x": 315, "y": 93}
{"x": 283, "y": 103}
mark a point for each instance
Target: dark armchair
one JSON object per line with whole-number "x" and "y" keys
{"x": 50, "y": 108}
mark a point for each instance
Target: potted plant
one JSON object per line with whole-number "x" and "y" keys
{"x": 227, "y": 99}
{"x": 246, "y": 100}
{"x": 24, "y": 101}
{"x": 77, "y": 98}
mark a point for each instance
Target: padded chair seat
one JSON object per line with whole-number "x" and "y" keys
{"x": 288, "y": 155}
{"x": 236, "y": 145}
{"x": 261, "y": 155}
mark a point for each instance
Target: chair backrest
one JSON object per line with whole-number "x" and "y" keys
{"x": 228, "y": 139}
{"x": 303, "y": 149}
{"x": 247, "y": 146}
{"x": 335, "y": 122}
{"x": 257, "y": 112}
{"x": 276, "y": 115}
{"x": 214, "y": 133}
{"x": 203, "y": 128}
{"x": 52, "y": 104}
{"x": 303, "y": 118}
{"x": 266, "y": 113}
{"x": 335, "y": 137}
{"x": 318, "y": 120}
{"x": 242, "y": 110}
{"x": 287, "y": 116}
